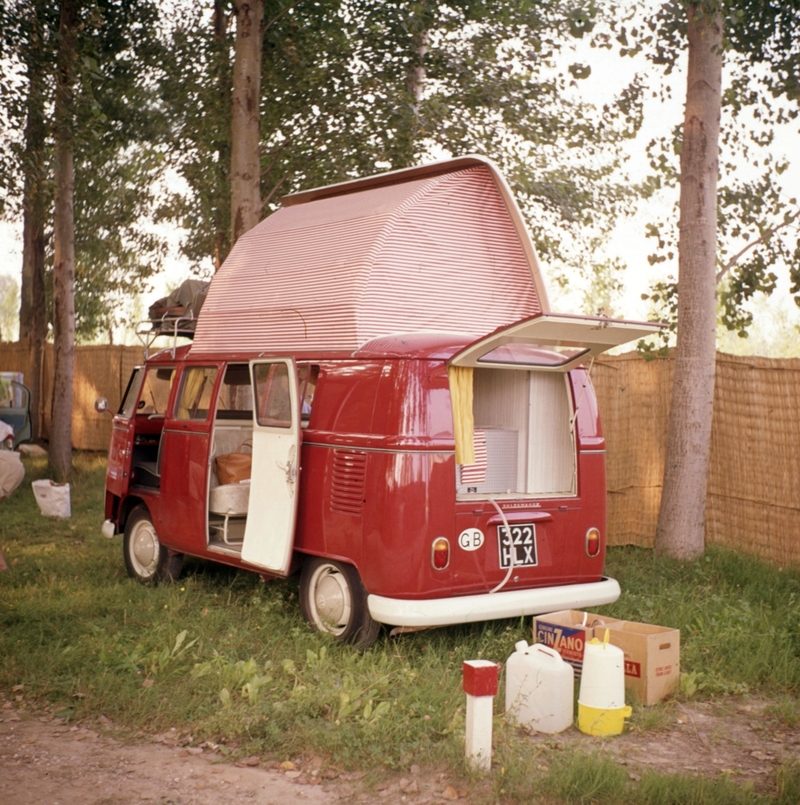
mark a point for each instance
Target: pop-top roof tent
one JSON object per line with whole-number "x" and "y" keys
{"x": 441, "y": 247}
{"x": 436, "y": 248}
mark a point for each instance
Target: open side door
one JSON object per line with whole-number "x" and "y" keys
{"x": 551, "y": 342}
{"x": 271, "y": 516}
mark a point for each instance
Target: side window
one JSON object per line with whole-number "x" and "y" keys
{"x": 155, "y": 391}
{"x": 307, "y": 386}
{"x": 272, "y": 394}
{"x": 236, "y": 393}
{"x": 195, "y": 396}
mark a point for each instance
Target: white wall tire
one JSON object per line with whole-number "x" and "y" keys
{"x": 333, "y": 600}
{"x": 146, "y": 559}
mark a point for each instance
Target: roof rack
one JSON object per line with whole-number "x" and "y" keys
{"x": 173, "y": 324}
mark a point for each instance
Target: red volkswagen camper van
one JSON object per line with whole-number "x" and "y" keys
{"x": 419, "y": 434}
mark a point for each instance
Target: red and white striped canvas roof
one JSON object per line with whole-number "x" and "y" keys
{"x": 446, "y": 252}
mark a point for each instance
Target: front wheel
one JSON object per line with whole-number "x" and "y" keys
{"x": 146, "y": 559}
{"x": 334, "y": 600}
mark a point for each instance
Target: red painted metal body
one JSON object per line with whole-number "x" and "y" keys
{"x": 377, "y": 480}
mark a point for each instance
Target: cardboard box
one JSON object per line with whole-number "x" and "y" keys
{"x": 567, "y": 632}
{"x": 652, "y": 653}
{"x": 652, "y": 659}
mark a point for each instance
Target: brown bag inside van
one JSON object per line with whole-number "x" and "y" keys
{"x": 233, "y": 468}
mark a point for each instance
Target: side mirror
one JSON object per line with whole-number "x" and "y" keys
{"x": 101, "y": 405}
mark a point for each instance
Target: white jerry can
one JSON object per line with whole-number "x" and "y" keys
{"x": 539, "y": 688}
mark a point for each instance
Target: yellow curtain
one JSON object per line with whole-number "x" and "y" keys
{"x": 460, "y": 378}
{"x": 190, "y": 394}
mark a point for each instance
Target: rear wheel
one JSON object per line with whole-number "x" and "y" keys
{"x": 146, "y": 559}
{"x": 334, "y": 600}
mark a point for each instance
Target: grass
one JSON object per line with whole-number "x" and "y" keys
{"x": 739, "y": 618}
{"x": 221, "y": 656}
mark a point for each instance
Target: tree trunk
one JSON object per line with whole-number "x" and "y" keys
{"x": 221, "y": 71}
{"x": 681, "y": 519}
{"x": 64, "y": 250}
{"x": 245, "y": 126}
{"x": 404, "y": 149}
{"x": 33, "y": 302}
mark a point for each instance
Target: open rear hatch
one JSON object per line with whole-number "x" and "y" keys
{"x": 514, "y": 417}
{"x": 551, "y": 342}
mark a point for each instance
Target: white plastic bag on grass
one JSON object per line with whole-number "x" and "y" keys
{"x": 52, "y": 498}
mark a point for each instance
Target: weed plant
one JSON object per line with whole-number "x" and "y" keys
{"x": 224, "y": 657}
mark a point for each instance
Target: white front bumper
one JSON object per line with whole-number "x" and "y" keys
{"x": 491, "y": 606}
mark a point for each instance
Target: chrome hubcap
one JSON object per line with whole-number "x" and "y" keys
{"x": 331, "y": 599}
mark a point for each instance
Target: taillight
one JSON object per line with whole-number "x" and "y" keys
{"x": 440, "y": 553}
{"x": 592, "y": 542}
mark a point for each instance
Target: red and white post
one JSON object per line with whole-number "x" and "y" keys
{"x": 480, "y": 685}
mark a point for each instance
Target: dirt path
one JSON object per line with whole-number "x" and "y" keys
{"x": 45, "y": 760}
{"x": 733, "y": 736}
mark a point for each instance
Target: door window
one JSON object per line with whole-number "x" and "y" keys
{"x": 196, "y": 389}
{"x": 273, "y": 396}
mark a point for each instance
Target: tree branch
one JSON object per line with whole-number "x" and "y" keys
{"x": 280, "y": 14}
{"x": 274, "y": 190}
{"x": 766, "y": 236}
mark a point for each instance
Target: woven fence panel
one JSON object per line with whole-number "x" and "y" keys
{"x": 15, "y": 357}
{"x": 100, "y": 371}
{"x": 753, "y": 501}
{"x": 633, "y": 398}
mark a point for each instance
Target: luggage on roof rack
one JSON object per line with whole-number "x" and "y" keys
{"x": 175, "y": 314}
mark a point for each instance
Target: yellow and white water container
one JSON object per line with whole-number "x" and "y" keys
{"x": 601, "y": 700}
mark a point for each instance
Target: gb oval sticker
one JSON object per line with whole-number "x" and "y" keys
{"x": 470, "y": 539}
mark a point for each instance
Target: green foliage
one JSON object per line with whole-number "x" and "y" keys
{"x": 679, "y": 789}
{"x": 9, "y": 307}
{"x": 788, "y": 784}
{"x": 583, "y": 779}
{"x": 785, "y": 711}
{"x": 757, "y": 227}
{"x": 352, "y": 87}
{"x": 117, "y": 129}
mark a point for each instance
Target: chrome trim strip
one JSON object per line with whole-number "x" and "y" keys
{"x": 377, "y": 449}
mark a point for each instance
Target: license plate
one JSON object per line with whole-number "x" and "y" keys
{"x": 519, "y": 541}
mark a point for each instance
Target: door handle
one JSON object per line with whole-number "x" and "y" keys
{"x": 290, "y": 468}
